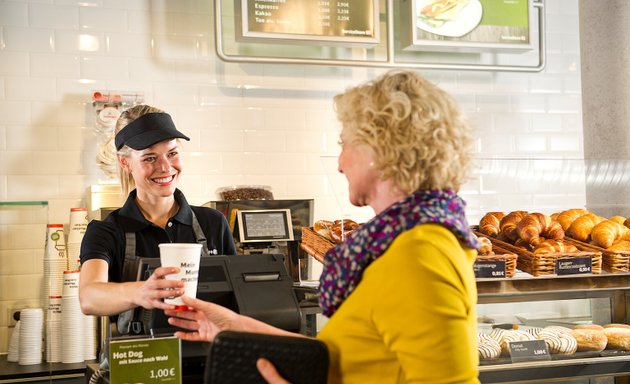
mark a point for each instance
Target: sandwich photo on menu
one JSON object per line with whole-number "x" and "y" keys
{"x": 452, "y": 18}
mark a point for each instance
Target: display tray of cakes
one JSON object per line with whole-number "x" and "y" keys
{"x": 540, "y": 240}
{"x": 579, "y": 341}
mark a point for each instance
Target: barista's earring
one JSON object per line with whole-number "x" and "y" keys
{"x": 371, "y": 165}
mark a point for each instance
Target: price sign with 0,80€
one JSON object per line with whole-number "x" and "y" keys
{"x": 154, "y": 360}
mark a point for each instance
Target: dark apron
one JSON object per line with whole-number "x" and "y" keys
{"x": 128, "y": 321}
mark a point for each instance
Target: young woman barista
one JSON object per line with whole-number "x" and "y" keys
{"x": 155, "y": 212}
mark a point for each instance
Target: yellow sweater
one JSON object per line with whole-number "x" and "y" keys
{"x": 412, "y": 317}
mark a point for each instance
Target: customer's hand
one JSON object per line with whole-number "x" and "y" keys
{"x": 152, "y": 291}
{"x": 205, "y": 320}
{"x": 269, "y": 372}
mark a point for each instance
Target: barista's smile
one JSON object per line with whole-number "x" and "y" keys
{"x": 164, "y": 180}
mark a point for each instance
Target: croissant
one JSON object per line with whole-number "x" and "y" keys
{"x": 531, "y": 227}
{"x": 581, "y": 228}
{"x": 485, "y": 246}
{"x": 554, "y": 246}
{"x": 507, "y": 226}
{"x": 627, "y": 223}
{"x": 536, "y": 225}
{"x": 489, "y": 223}
{"x": 607, "y": 232}
{"x": 566, "y": 218}
{"x": 622, "y": 245}
{"x": 617, "y": 219}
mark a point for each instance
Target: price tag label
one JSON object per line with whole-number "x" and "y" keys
{"x": 574, "y": 266}
{"x": 489, "y": 269}
{"x": 530, "y": 350}
{"x": 155, "y": 360}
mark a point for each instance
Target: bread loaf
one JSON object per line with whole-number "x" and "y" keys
{"x": 507, "y": 226}
{"x": 607, "y": 232}
{"x": 618, "y": 337}
{"x": 581, "y": 228}
{"x": 590, "y": 339}
{"x": 589, "y": 326}
{"x": 489, "y": 223}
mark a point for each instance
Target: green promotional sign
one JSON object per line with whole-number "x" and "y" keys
{"x": 143, "y": 361}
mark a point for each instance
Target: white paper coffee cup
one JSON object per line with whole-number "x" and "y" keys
{"x": 186, "y": 257}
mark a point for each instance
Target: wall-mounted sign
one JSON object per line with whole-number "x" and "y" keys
{"x": 466, "y": 25}
{"x": 347, "y": 22}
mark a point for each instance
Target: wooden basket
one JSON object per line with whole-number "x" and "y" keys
{"x": 613, "y": 261}
{"x": 539, "y": 265}
{"x": 501, "y": 254}
{"x": 315, "y": 244}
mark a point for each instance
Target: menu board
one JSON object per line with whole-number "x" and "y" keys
{"x": 346, "y": 22}
{"x": 467, "y": 25}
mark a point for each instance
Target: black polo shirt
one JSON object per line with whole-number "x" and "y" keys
{"x": 105, "y": 239}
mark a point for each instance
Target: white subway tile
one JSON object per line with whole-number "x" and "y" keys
{"x": 81, "y": 88}
{"x": 493, "y": 103}
{"x": 189, "y": 23}
{"x": 22, "y": 287}
{"x": 25, "y": 236}
{"x": 3, "y": 186}
{"x": 32, "y": 187}
{"x": 30, "y": 88}
{"x": 511, "y": 122}
{"x": 572, "y": 85}
{"x": 144, "y": 20}
{"x": 25, "y": 39}
{"x": 475, "y": 82}
{"x": 21, "y": 138}
{"x": 175, "y": 93}
{"x": 213, "y": 95}
{"x": 53, "y": 16}
{"x": 13, "y": 14}
{"x": 480, "y": 122}
{"x": 187, "y": 71}
{"x": 497, "y": 144}
{"x": 142, "y": 6}
{"x": 565, "y": 143}
{"x": 223, "y": 140}
{"x": 572, "y": 122}
{"x": 202, "y": 163}
{"x": 175, "y": 47}
{"x": 545, "y": 83}
{"x": 58, "y": 113}
{"x": 307, "y": 186}
{"x": 104, "y": 68}
{"x": 128, "y": 44}
{"x": 201, "y": 118}
{"x": 307, "y": 141}
{"x": 277, "y": 183}
{"x": 531, "y": 143}
{"x": 546, "y": 123}
{"x": 240, "y": 118}
{"x": 553, "y": 43}
{"x": 528, "y": 103}
{"x": 503, "y": 82}
{"x": 74, "y": 187}
{"x": 14, "y": 63}
{"x": 15, "y": 113}
{"x": 265, "y": 141}
{"x": 3, "y": 138}
{"x": 102, "y": 19}
{"x": 466, "y": 103}
{"x": 62, "y": 162}
{"x": 55, "y": 65}
{"x": 75, "y": 138}
{"x": 150, "y": 70}
{"x": 285, "y": 118}
{"x": 79, "y": 42}
{"x": 565, "y": 103}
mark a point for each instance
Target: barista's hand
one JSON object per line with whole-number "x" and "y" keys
{"x": 153, "y": 290}
{"x": 205, "y": 321}
{"x": 269, "y": 372}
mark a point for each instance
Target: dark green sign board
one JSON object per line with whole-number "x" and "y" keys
{"x": 143, "y": 361}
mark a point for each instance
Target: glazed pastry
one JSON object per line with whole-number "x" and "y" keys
{"x": 510, "y": 336}
{"x": 488, "y": 347}
{"x": 341, "y": 229}
{"x": 559, "y": 340}
{"x": 489, "y": 223}
{"x": 607, "y": 232}
{"x": 566, "y": 218}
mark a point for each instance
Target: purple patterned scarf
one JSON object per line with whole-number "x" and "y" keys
{"x": 344, "y": 263}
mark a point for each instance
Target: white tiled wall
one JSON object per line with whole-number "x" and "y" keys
{"x": 254, "y": 124}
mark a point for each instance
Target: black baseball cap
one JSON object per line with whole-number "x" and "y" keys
{"x": 147, "y": 130}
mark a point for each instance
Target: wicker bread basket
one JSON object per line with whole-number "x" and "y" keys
{"x": 544, "y": 264}
{"x": 315, "y": 244}
{"x": 501, "y": 254}
{"x": 613, "y": 261}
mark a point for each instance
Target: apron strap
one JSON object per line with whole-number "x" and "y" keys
{"x": 199, "y": 235}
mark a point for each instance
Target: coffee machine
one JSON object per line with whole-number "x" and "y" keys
{"x": 269, "y": 226}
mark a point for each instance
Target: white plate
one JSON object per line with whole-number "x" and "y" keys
{"x": 467, "y": 19}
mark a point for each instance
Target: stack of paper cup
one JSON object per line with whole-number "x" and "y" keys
{"x": 55, "y": 260}
{"x": 78, "y": 225}
{"x": 89, "y": 337}
{"x": 31, "y": 332}
{"x": 71, "y": 320}
{"x": 14, "y": 344}
{"x": 53, "y": 330}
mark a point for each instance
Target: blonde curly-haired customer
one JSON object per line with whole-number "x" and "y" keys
{"x": 400, "y": 290}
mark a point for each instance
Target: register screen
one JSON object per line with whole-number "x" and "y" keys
{"x": 265, "y": 225}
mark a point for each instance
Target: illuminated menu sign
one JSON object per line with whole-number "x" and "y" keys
{"x": 346, "y": 22}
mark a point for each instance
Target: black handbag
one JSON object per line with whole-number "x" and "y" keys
{"x": 233, "y": 355}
